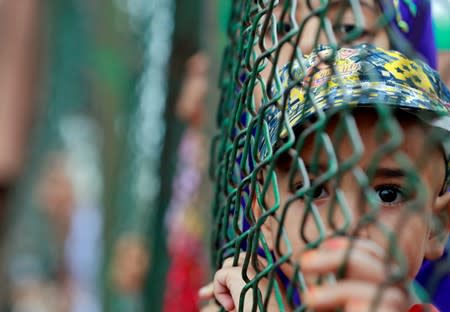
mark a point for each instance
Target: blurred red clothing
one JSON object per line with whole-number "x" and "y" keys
{"x": 187, "y": 273}
{"x": 423, "y": 308}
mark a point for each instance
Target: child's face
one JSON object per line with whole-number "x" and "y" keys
{"x": 343, "y": 19}
{"x": 412, "y": 230}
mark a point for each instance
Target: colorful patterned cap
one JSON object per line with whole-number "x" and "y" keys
{"x": 357, "y": 77}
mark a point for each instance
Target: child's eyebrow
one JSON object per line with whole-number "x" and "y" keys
{"x": 362, "y": 2}
{"x": 384, "y": 172}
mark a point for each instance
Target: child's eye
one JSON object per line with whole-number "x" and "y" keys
{"x": 344, "y": 29}
{"x": 390, "y": 194}
{"x": 283, "y": 28}
{"x": 318, "y": 193}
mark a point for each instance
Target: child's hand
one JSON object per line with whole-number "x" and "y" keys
{"x": 228, "y": 285}
{"x": 358, "y": 290}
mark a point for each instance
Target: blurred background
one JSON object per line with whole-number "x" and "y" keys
{"x": 107, "y": 110}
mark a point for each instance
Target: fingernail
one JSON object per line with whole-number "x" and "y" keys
{"x": 205, "y": 290}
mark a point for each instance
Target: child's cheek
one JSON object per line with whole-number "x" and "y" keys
{"x": 410, "y": 231}
{"x": 413, "y": 243}
{"x": 291, "y": 226}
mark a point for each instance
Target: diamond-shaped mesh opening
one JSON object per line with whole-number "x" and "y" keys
{"x": 321, "y": 137}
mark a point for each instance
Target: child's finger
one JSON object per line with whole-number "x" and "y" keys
{"x": 228, "y": 284}
{"x": 222, "y": 292}
{"x": 364, "y": 306}
{"x": 356, "y": 264}
{"x": 344, "y": 292}
{"x": 206, "y": 292}
{"x": 228, "y": 263}
{"x": 366, "y": 245}
{"x": 345, "y": 243}
{"x": 211, "y": 307}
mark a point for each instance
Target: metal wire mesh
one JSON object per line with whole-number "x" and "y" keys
{"x": 263, "y": 217}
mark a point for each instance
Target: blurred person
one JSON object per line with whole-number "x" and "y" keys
{"x": 19, "y": 33}
{"x": 55, "y": 193}
{"x": 75, "y": 229}
{"x": 83, "y": 243}
{"x": 185, "y": 219}
{"x": 131, "y": 257}
{"x": 19, "y": 59}
{"x": 37, "y": 296}
{"x": 33, "y": 285}
{"x": 130, "y": 264}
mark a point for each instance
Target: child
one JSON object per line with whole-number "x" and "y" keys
{"x": 366, "y": 207}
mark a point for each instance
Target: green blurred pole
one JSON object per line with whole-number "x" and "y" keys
{"x": 115, "y": 65}
{"x": 186, "y": 41}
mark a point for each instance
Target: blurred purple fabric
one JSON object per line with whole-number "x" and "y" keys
{"x": 419, "y": 34}
{"x": 434, "y": 276}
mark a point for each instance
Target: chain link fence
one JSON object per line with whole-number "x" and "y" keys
{"x": 318, "y": 119}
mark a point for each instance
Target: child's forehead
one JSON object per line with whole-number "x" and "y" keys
{"x": 372, "y": 4}
{"x": 412, "y": 131}
{"x": 303, "y": 6}
{"x": 369, "y": 4}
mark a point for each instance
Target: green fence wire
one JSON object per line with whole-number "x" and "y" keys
{"x": 271, "y": 173}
